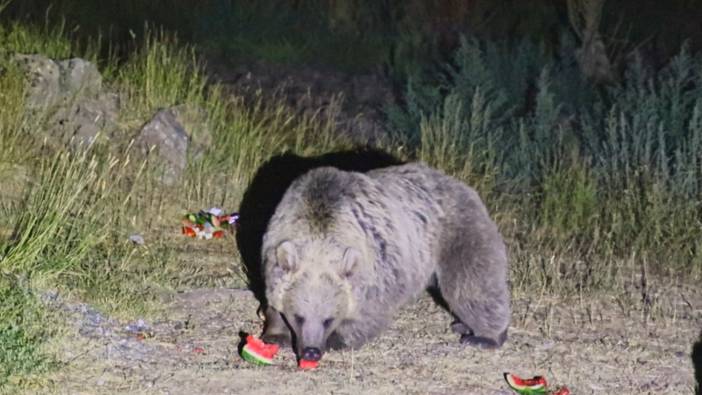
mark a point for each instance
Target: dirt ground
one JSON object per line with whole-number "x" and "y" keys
{"x": 610, "y": 345}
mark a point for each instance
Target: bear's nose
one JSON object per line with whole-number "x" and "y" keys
{"x": 311, "y": 354}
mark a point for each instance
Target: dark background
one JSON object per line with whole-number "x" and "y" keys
{"x": 362, "y": 34}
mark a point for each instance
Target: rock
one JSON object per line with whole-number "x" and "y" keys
{"x": 79, "y": 76}
{"x": 195, "y": 123}
{"x": 83, "y": 120}
{"x": 137, "y": 239}
{"x": 71, "y": 91}
{"x": 169, "y": 141}
{"x": 51, "y": 83}
{"x": 43, "y": 76}
{"x": 176, "y": 133}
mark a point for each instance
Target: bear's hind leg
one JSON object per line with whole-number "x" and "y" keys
{"x": 481, "y": 323}
{"x": 472, "y": 280}
{"x": 469, "y": 337}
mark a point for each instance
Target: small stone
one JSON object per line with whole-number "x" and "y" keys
{"x": 137, "y": 239}
{"x": 51, "y": 296}
{"x": 547, "y": 345}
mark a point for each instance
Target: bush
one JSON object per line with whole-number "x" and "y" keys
{"x": 613, "y": 170}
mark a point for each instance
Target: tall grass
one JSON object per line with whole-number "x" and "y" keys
{"x": 81, "y": 205}
{"x": 68, "y": 213}
{"x": 23, "y": 320}
{"x": 595, "y": 177}
{"x": 160, "y": 74}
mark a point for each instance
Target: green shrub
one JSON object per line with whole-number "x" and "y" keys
{"x": 610, "y": 171}
{"x": 22, "y": 331}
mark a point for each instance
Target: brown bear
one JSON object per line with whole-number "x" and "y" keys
{"x": 344, "y": 250}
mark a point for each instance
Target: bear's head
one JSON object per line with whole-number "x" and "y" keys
{"x": 310, "y": 284}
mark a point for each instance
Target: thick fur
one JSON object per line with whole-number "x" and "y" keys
{"x": 267, "y": 189}
{"x": 345, "y": 250}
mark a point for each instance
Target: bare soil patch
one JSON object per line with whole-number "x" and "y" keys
{"x": 603, "y": 345}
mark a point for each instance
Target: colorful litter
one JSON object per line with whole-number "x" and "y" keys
{"x": 208, "y": 224}
{"x": 536, "y": 385}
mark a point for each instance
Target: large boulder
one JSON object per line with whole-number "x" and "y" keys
{"x": 174, "y": 135}
{"x": 70, "y": 93}
{"x": 79, "y": 77}
{"x": 43, "y": 76}
{"x": 166, "y": 137}
{"x": 53, "y": 82}
{"x": 82, "y": 121}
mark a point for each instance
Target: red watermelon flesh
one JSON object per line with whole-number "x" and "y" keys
{"x": 533, "y": 386}
{"x": 258, "y": 352}
{"x": 307, "y": 364}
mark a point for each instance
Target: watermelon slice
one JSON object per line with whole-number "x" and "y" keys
{"x": 562, "y": 391}
{"x": 258, "y": 352}
{"x": 534, "y": 386}
{"x": 189, "y": 231}
{"x": 307, "y": 364}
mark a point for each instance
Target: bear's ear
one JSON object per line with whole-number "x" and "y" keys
{"x": 286, "y": 256}
{"x": 350, "y": 261}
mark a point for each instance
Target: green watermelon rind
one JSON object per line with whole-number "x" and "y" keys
{"x": 537, "y": 389}
{"x": 252, "y": 356}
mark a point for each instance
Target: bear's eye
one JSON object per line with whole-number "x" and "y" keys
{"x": 327, "y": 323}
{"x": 299, "y": 319}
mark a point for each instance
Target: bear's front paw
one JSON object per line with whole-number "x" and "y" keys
{"x": 276, "y": 338}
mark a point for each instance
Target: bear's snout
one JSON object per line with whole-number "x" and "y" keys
{"x": 311, "y": 354}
